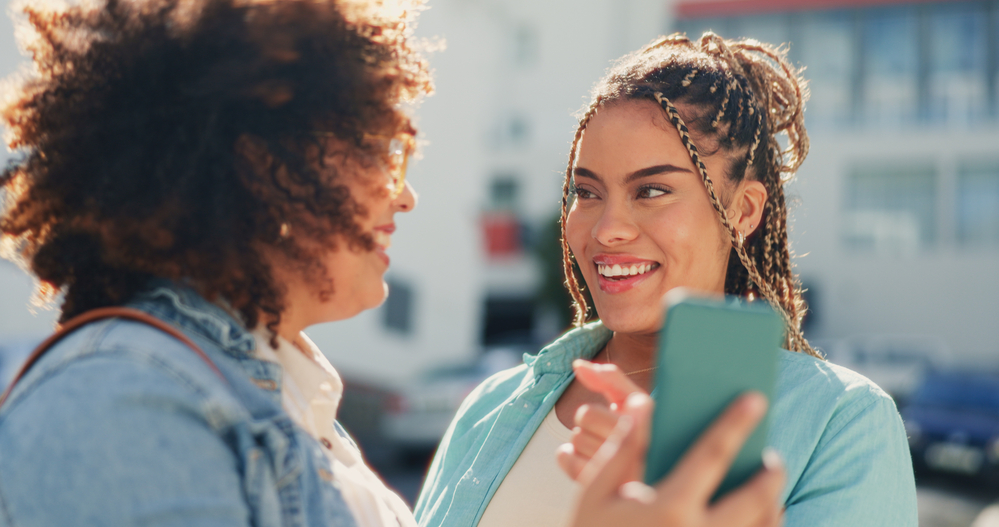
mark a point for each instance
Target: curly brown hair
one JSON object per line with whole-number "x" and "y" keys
{"x": 177, "y": 139}
{"x": 736, "y": 97}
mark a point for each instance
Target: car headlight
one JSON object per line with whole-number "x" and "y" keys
{"x": 913, "y": 431}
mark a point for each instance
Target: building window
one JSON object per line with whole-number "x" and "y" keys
{"x": 957, "y": 62}
{"x": 508, "y": 321}
{"x": 890, "y": 73}
{"x": 525, "y": 45}
{"x": 398, "y": 308}
{"x": 772, "y": 29}
{"x": 502, "y": 226}
{"x": 978, "y": 205}
{"x": 825, "y": 46}
{"x": 695, "y": 27}
{"x": 890, "y": 208}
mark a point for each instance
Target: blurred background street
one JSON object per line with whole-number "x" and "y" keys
{"x": 894, "y": 217}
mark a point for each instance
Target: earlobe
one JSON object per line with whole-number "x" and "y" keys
{"x": 748, "y": 208}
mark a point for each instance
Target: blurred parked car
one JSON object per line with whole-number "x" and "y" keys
{"x": 952, "y": 421}
{"x": 418, "y": 414}
{"x": 896, "y": 363}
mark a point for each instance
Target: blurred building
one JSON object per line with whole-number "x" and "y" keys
{"x": 463, "y": 276}
{"x": 896, "y": 221}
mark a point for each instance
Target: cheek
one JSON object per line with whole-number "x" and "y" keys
{"x": 575, "y": 231}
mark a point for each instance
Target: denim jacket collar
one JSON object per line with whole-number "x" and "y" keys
{"x": 580, "y": 343}
{"x": 182, "y": 306}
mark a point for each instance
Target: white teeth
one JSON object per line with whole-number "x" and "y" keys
{"x": 617, "y": 270}
{"x": 382, "y": 239}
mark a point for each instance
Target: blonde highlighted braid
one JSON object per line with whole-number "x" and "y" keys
{"x": 740, "y": 95}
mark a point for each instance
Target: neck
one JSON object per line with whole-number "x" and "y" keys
{"x": 632, "y": 352}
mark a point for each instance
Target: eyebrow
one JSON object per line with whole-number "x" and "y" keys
{"x": 638, "y": 174}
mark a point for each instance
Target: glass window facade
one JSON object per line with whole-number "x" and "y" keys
{"x": 934, "y": 63}
{"x": 890, "y": 208}
{"x": 978, "y": 205}
{"x": 890, "y": 66}
{"x": 957, "y": 48}
{"x": 826, "y": 47}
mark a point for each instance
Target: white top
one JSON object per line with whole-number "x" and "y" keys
{"x": 535, "y": 493}
{"x": 310, "y": 392}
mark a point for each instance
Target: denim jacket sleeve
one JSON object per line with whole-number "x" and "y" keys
{"x": 137, "y": 447}
{"x": 64, "y": 476}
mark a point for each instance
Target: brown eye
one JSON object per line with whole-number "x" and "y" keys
{"x": 652, "y": 192}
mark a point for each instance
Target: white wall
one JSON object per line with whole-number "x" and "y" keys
{"x": 942, "y": 290}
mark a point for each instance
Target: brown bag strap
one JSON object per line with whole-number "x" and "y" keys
{"x": 99, "y": 314}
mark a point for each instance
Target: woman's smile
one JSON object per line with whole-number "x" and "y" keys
{"x": 617, "y": 273}
{"x": 383, "y": 240}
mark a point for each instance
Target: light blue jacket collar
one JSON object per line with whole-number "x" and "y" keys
{"x": 581, "y": 343}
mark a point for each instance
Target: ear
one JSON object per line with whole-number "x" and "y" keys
{"x": 746, "y": 209}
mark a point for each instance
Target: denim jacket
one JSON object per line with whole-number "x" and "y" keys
{"x": 121, "y": 424}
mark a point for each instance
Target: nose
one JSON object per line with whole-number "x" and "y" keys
{"x": 615, "y": 225}
{"x": 406, "y": 200}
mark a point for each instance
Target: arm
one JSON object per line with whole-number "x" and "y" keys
{"x": 115, "y": 441}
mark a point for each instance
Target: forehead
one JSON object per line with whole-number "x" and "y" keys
{"x": 630, "y": 135}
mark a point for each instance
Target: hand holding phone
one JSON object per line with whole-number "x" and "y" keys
{"x": 611, "y": 496}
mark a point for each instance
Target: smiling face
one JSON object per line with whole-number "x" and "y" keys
{"x": 357, "y": 274}
{"x": 642, "y": 222}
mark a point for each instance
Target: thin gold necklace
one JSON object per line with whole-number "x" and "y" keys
{"x": 630, "y": 372}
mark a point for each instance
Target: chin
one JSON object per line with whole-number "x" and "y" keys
{"x": 629, "y": 320}
{"x": 377, "y": 297}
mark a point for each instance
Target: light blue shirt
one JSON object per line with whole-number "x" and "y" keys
{"x": 841, "y": 437}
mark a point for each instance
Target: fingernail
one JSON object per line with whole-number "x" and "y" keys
{"x": 755, "y": 402}
{"x": 772, "y": 460}
{"x": 637, "y": 399}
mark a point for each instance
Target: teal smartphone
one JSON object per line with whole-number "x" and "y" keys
{"x": 710, "y": 352}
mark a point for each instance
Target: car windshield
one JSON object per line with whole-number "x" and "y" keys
{"x": 969, "y": 392}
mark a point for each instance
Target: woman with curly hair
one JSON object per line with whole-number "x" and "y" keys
{"x": 199, "y": 181}
{"x": 675, "y": 179}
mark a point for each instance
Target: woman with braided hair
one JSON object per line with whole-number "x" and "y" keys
{"x": 675, "y": 178}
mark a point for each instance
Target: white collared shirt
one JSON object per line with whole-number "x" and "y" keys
{"x": 310, "y": 393}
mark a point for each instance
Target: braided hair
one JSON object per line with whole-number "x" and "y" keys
{"x": 740, "y": 95}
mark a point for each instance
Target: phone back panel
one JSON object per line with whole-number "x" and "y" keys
{"x": 710, "y": 352}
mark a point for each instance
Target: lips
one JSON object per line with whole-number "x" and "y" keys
{"x": 617, "y": 273}
{"x": 383, "y": 240}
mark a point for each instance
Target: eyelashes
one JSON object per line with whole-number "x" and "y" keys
{"x": 653, "y": 191}
{"x": 644, "y": 192}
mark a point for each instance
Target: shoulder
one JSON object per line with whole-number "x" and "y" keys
{"x": 121, "y": 416}
{"x": 106, "y": 363}
{"x": 819, "y": 386}
{"x": 843, "y": 443}
{"x": 491, "y": 393}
